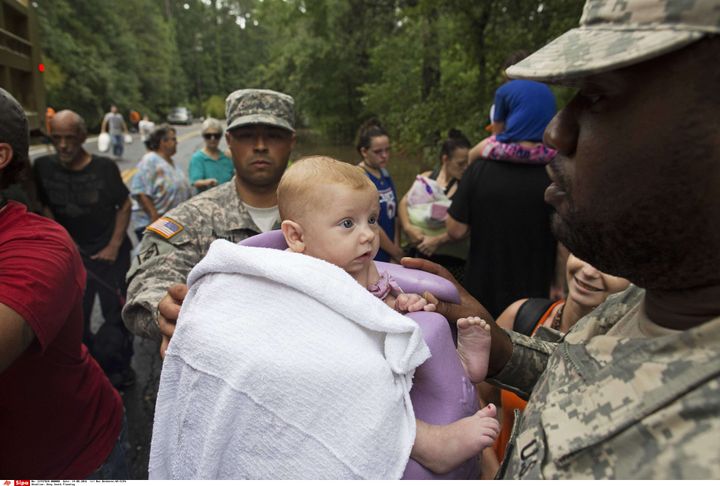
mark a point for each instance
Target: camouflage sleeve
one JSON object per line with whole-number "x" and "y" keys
{"x": 528, "y": 361}
{"x": 160, "y": 263}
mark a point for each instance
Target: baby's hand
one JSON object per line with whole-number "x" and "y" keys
{"x": 412, "y": 303}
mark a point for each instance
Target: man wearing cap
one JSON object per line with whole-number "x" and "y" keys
{"x": 633, "y": 390}
{"x": 260, "y": 135}
{"x": 60, "y": 416}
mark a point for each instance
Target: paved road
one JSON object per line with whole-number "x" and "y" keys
{"x": 139, "y": 399}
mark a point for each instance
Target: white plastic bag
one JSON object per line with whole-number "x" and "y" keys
{"x": 103, "y": 142}
{"x": 128, "y": 138}
{"x": 427, "y": 204}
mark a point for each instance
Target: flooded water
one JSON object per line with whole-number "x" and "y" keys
{"x": 403, "y": 167}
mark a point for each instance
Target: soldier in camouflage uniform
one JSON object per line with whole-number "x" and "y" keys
{"x": 260, "y": 136}
{"x": 633, "y": 390}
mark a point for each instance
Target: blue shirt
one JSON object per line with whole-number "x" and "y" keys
{"x": 203, "y": 166}
{"x": 388, "y": 208}
{"x": 526, "y": 108}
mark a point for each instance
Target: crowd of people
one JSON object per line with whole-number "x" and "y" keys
{"x": 578, "y": 245}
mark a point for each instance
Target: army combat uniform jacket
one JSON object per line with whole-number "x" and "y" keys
{"x": 174, "y": 244}
{"x": 612, "y": 407}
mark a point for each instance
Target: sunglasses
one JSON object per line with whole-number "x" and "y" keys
{"x": 208, "y": 136}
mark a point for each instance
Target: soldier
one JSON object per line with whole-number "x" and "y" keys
{"x": 260, "y": 136}
{"x": 633, "y": 391}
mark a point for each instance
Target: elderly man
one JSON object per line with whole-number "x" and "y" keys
{"x": 633, "y": 391}
{"x": 260, "y": 136}
{"x": 85, "y": 194}
{"x": 61, "y": 417}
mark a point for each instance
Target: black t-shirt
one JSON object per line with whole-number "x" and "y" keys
{"x": 512, "y": 250}
{"x": 85, "y": 202}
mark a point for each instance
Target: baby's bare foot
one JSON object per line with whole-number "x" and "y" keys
{"x": 474, "y": 347}
{"x": 442, "y": 448}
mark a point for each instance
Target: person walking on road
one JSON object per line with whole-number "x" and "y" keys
{"x": 86, "y": 195}
{"x": 114, "y": 124}
{"x": 145, "y": 128}
{"x": 61, "y": 418}
{"x": 261, "y": 134}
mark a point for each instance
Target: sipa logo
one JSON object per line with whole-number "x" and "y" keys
{"x": 22, "y": 482}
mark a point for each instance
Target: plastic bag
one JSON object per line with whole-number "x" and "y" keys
{"x": 427, "y": 203}
{"x": 128, "y": 138}
{"x": 103, "y": 142}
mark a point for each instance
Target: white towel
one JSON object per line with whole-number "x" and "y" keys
{"x": 283, "y": 367}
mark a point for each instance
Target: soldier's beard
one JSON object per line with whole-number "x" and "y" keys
{"x": 644, "y": 245}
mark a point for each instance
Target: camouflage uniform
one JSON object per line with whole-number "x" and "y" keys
{"x": 650, "y": 411}
{"x": 161, "y": 262}
{"x": 176, "y": 242}
{"x": 606, "y": 403}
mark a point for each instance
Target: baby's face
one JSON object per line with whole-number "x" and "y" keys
{"x": 343, "y": 229}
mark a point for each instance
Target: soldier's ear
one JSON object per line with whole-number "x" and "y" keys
{"x": 293, "y": 234}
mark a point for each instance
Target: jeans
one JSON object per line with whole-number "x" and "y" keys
{"x": 117, "y": 145}
{"x": 115, "y": 466}
{"x": 112, "y": 345}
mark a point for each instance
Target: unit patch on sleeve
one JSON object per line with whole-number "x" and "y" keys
{"x": 165, "y": 227}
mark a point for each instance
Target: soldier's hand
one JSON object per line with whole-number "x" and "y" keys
{"x": 468, "y": 306}
{"x": 168, "y": 312}
{"x": 501, "y": 346}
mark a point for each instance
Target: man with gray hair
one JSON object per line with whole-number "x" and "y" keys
{"x": 260, "y": 134}
{"x": 633, "y": 390}
{"x": 86, "y": 195}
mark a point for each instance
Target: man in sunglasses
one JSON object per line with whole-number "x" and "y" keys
{"x": 86, "y": 194}
{"x": 260, "y": 135}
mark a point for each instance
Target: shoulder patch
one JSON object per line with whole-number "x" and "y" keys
{"x": 165, "y": 227}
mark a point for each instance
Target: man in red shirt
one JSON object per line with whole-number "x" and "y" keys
{"x": 59, "y": 415}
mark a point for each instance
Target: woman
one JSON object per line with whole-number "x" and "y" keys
{"x": 373, "y": 145}
{"x": 210, "y": 167}
{"x": 158, "y": 185}
{"x": 432, "y": 241}
{"x": 587, "y": 288}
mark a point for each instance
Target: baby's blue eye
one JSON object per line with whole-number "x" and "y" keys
{"x": 346, "y": 223}
{"x": 372, "y": 220}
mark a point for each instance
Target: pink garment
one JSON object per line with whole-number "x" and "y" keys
{"x": 495, "y": 150}
{"x": 386, "y": 285}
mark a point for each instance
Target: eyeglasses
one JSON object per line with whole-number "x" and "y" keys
{"x": 208, "y": 136}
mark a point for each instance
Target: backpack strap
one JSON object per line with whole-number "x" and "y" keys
{"x": 529, "y": 314}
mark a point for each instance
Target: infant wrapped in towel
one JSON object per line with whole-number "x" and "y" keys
{"x": 284, "y": 366}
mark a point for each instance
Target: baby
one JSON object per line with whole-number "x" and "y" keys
{"x": 329, "y": 210}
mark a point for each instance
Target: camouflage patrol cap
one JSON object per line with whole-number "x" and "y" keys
{"x": 260, "y": 107}
{"x": 618, "y": 33}
{"x": 13, "y": 124}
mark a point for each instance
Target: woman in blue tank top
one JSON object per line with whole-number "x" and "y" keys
{"x": 373, "y": 145}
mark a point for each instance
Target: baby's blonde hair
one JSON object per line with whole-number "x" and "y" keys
{"x": 302, "y": 184}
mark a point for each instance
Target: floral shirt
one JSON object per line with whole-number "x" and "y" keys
{"x": 163, "y": 182}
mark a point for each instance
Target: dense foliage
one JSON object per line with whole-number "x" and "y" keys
{"x": 422, "y": 66}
